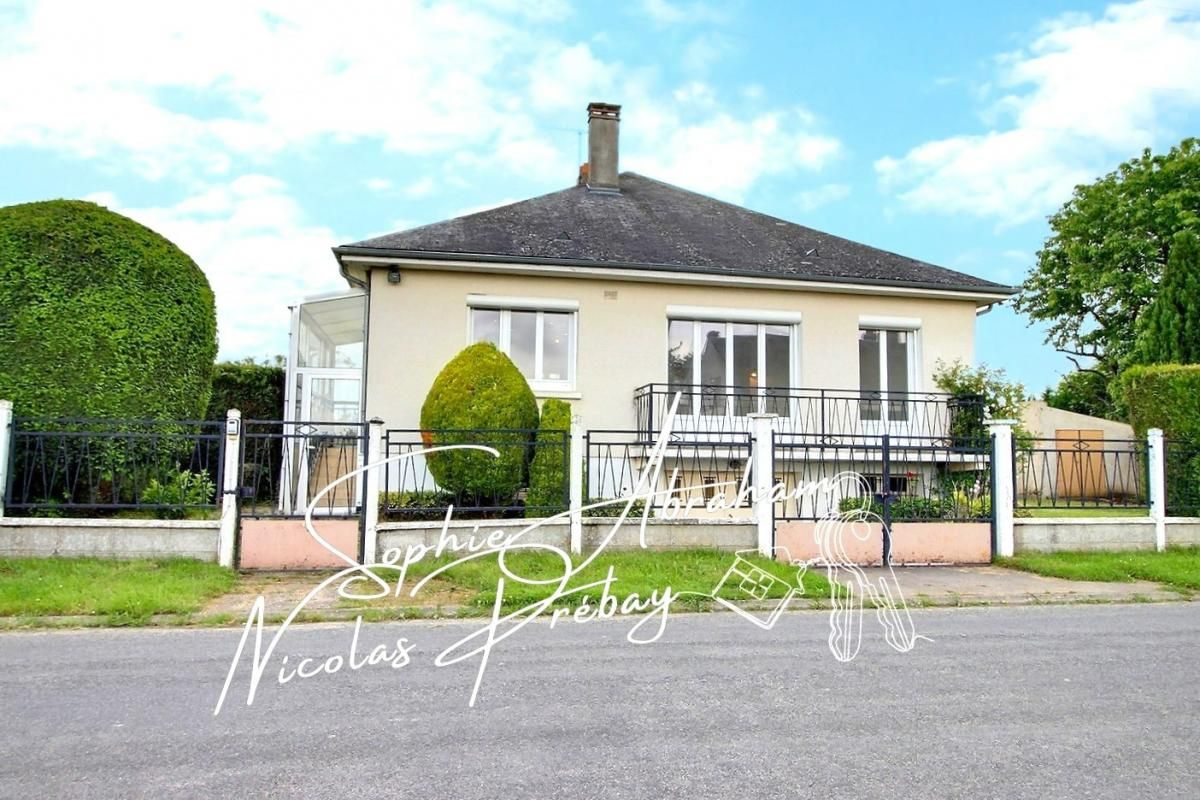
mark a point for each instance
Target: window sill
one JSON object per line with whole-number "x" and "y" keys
{"x": 557, "y": 394}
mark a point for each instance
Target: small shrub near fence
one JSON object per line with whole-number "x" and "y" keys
{"x": 83, "y": 467}
{"x": 1182, "y": 467}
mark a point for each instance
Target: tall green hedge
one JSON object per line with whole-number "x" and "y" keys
{"x": 548, "y": 470}
{"x": 257, "y": 390}
{"x": 479, "y": 389}
{"x": 1163, "y": 396}
{"x": 100, "y": 316}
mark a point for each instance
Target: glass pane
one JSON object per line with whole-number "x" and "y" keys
{"x": 485, "y": 325}
{"x": 556, "y": 346}
{"x": 868, "y": 374}
{"x": 745, "y": 368}
{"x": 712, "y": 367}
{"x": 334, "y": 400}
{"x": 897, "y": 369}
{"x": 778, "y": 368}
{"x": 679, "y": 362}
{"x": 331, "y": 333}
{"x": 522, "y": 341}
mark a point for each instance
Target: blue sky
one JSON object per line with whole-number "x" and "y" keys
{"x": 258, "y": 134}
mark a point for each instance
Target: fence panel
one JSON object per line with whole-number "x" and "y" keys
{"x": 285, "y": 465}
{"x": 529, "y": 477}
{"x": 73, "y": 467}
{"x": 1078, "y": 472}
{"x": 1182, "y": 467}
{"x": 914, "y": 479}
{"x": 694, "y": 471}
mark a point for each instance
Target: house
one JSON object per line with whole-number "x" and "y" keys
{"x": 621, "y": 290}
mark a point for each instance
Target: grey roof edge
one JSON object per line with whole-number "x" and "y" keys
{"x": 990, "y": 289}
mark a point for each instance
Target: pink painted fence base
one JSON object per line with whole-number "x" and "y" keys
{"x": 285, "y": 544}
{"x": 912, "y": 542}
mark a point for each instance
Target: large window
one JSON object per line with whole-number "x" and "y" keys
{"x": 885, "y": 373}
{"x": 540, "y": 342}
{"x": 724, "y": 367}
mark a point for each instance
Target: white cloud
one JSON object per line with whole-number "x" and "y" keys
{"x": 258, "y": 251}
{"x": 812, "y": 199}
{"x": 378, "y": 184}
{"x": 1083, "y": 95}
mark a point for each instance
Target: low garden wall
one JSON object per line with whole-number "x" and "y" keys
{"x": 24, "y": 537}
{"x": 912, "y": 542}
{"x": 660, "y": 534}
{"x": 1091, "y": 533}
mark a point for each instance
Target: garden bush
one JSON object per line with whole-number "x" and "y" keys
{"x": 100, "y": 317}
{"x": 548, "y": 469}
{"x": 480, "y": 397}
{"x": 257, "y": 390}
{"x": 1167, "y": 396}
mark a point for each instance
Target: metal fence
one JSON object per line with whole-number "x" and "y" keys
{"x": 712, "y": 411}
{"x": 286, "y": 465}
{"x": 1078, "y": 472}
{"x": 693, "y": 472}
{"x": 65, "y": 467}
{"x": 529, "y": 476}
{"x": 910, "y": 479}
{"x": 1182, "y": 468}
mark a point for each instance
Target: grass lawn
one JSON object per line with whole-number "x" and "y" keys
{"x": 1177, "y": 567}
{"x": 636, "y": 571}
{"x": 1086, "y": 511}
{"x": 125, "y": 592}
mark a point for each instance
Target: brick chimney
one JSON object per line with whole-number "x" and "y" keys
{"x": 603, "y": 121}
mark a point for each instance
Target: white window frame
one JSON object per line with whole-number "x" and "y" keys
{"x": 506, "y": 305}
{"x": 728, "y": 318}
{"x": 885, "y": 325}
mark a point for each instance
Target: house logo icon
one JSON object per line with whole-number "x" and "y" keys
{"x": 746, "y": 582}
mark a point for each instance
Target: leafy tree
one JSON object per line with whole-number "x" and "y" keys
{"x": 1084, "y": 392}
{"x": 1104, "y": 259}
{"x": 1169, "y": 329}
{"x": 100, "y": 316}
{"x": 1002, "y": 398}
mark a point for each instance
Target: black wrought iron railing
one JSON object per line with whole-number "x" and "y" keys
{"x": 287, "y": 466}
{"x": 831, "y": 413}
{"x": 1078, "y": 472}
{"x": 527, "y": 476}
{"x": 72, "y": 467}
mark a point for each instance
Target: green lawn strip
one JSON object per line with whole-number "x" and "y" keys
{"x": 1086, "y": 511}
{"x": 1177, "y": 567}
{"x": 636, "y": 572}
{"x": 126, "y": 592}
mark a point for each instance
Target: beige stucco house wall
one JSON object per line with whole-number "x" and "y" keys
{"x": 417, "y": 325}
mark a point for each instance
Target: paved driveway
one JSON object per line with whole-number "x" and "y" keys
{"x": 1074, "y": 701}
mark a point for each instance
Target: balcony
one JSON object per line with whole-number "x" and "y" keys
{"x": 820, "y": 416}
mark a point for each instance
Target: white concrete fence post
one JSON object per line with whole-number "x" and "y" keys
{"x": 762, "y": 427}
{"x": 371, "y": 490}
{"x": 1156, "y": 456}
{"x": 6, "y": 418}
{"x": 576, "y": 457}
{"x": 230, "y": 486}
{"x": 1004, "y": 476}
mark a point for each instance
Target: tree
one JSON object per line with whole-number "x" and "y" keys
{"x": 100, "y": 317}
{"x": 1104, "y": 259}
{"x": 1001, "y": 398}
{"x": 1169, "y": 329}
{"x": 480, "y": 397}
{"x": 1083, "y": 392}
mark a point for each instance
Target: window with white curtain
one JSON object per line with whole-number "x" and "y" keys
{"x": 729, "y": 367}
{"x": 540, "y": 342}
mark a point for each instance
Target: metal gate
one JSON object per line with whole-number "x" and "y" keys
{"x": 932, "y": 497}
{"x": 285, "y": 468}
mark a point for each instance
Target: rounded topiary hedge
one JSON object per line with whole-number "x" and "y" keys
{"x": 100, "y": 316}
{"x": 548, "y": 470}
{"x": 480, "y": 397}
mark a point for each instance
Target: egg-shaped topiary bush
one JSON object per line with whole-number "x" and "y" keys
{"x": 100, "y": 317}
{"x": 480, "y": 397}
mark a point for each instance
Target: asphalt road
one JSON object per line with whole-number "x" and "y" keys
{"x": 1079, "y": 701}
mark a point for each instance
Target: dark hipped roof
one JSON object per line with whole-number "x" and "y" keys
{"x": 654, "y": 225}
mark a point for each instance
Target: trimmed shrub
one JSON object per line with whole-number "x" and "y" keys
{"x": 100, "y": 316}
{"x": 257, "y": 390}
{"x": 1163, "y": 396}
{"x": 548, "y": 470}
{"x": 478, "y": 391}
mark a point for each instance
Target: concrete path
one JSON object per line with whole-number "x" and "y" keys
{"x": 1034, "y": 702}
